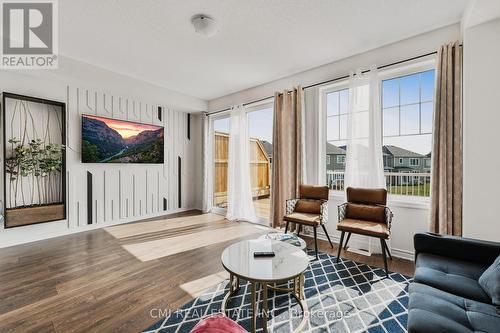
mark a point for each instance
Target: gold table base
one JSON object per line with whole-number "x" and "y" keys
{"x": 297, "y": 291}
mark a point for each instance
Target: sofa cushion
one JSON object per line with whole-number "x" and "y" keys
{"x": 370, "y": 213}
{"x": 303, "y": 218}
{"x": 434, "y": 310}
{"x": 452, "y": 275}
{"x": 367, "y": 228}
{"x": 308, "y": 206}
{"x": 313, "y": 192}
{"x": 490, "y": 281}
{"x": 369, "y": 196}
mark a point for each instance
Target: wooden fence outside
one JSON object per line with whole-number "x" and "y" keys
{"x": 260, "y": 169}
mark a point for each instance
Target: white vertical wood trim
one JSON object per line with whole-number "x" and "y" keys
{"x": 120, "y": 191}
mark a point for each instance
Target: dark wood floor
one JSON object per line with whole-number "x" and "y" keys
{"x": 108, "y": 280}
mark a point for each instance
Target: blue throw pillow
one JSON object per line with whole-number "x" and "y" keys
{"x": 490, "y": 281}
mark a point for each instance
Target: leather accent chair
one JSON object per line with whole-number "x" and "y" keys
{"x": 365, "y": 213}
{"x": 310, "y": 209}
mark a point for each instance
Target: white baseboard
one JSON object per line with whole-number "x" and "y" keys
{"x": 403, "y": 254}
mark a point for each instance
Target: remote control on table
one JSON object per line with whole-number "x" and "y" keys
{"x": 263, "y": 254}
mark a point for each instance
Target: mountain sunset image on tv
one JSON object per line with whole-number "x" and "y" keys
{"x": 106, "y": 140}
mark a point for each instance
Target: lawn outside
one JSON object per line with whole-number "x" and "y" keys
{"x": 422, "y": 190}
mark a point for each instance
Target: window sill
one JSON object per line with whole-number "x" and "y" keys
{"x": 409, "y": 202}
{"x": 402, "y": 201}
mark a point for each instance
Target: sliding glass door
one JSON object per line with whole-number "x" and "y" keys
{"x": 260, "y": 129}
{"x": 220, "y": 140}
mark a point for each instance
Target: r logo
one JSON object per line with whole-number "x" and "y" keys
{"x": 27, "y": 27}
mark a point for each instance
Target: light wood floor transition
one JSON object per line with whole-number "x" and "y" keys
{"x": 109, "y": 280}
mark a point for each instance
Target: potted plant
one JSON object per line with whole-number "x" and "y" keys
{"x": 34, "y": 168}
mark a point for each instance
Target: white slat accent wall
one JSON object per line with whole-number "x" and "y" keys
{"x": 126, "y": 192}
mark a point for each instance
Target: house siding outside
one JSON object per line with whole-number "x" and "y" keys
{"x": 395, "y": 159}
{"x": 332, "y": 152}
{"x": 333, "y": 165}
{"x": 405, "y": 165}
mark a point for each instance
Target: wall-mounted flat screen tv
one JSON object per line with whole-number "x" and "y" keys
{"x": 106, "y": 140}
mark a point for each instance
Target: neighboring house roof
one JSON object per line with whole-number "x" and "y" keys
{"x": 268, "y": 147}
{"x": 400, "y": 152}
{"x": 334, "y": 150}
{"x": 428, "y": 155}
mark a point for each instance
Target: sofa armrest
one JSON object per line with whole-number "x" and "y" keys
{"x": 467, "y": 249}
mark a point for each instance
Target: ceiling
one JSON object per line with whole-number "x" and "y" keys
{"x": 259, "y": 40}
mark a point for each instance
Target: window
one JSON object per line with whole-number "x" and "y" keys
{"x": 407, "y": 101}
{"x": 336, "y": 116}
{"x": 407, "y": 108}
{"x": 336, "y": 102}
{"x": 407, "y": 104}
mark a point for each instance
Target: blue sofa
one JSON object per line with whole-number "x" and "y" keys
{"x": 445, "y": 295}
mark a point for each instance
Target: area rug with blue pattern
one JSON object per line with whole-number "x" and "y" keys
{"x": 341, "y": 297}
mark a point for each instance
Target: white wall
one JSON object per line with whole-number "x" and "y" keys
{"x": 118, "y": 198}
{"x": 481, "y": 134}
{"x": 409, "y": 218}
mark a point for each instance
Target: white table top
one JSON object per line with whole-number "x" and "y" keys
{"x": 289, "y": 261}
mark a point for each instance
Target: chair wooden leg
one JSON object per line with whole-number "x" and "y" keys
{"x": 347, "y": 241}
{"x": 286, "y": 226}
{"x": 387, "y": 249}
{"x": 382, "y": 241}
{"x": 327, "y": 235}
{"x": 340, "y": 245}
{"x": 299, "y": 229}
{"x": 316, "y": 242}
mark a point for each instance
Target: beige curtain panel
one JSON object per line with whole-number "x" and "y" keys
{"x": 287, "y": 151}
{"x": 446, "y": 178}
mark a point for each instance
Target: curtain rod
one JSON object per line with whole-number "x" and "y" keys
{"x": 332, "y": 80}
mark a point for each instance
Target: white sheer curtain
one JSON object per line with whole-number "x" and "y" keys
{"x": 239, "y": 191}
{"x": 364, "y": 160}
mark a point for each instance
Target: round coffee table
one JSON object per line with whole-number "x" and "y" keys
{"x": 288, "y": 264}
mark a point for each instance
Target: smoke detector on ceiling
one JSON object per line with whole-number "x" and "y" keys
{"x": 204, "y": 25}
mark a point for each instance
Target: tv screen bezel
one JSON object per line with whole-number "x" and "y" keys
{"x": 127, "y": 121}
